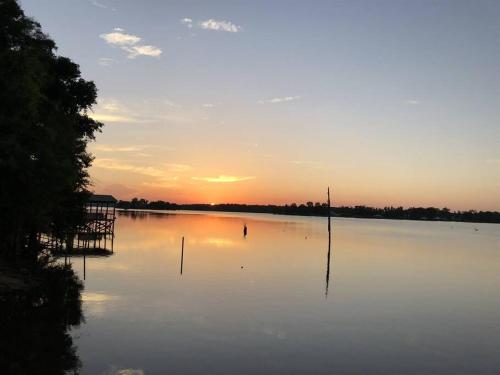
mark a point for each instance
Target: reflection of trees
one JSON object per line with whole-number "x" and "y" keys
{"x": 35, "y": 324}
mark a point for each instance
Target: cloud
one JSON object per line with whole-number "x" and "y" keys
{"x": 129, "y": 43}
{"x": 106, "y": 61}
{"x": 108, "y": 148}
{"x": 154, "y": 111}
{"x": 311, "y": 164}
{"x": 178, "y": 167}
{"x": 161, "y": 184}
{"x": 161, "y": 176}
{"x": 280, "y": 100}
{"x": 161, "y": 173}
{"x": 412, "y": 101}
{"x": 224, "y": 178}
{"x": 110, "y": 110}
{"x": 207, "y": 105}
{"x": 188, "y": 22}
{"x": 121, "y": 166}
{"x": 212, "y": 24}
{"x": 129, "y": 371}
{"x": 99, "y": 5}
{"x": 120, "y": 38}
{"x": 103, "y": 117}
{"x": 142, "y": 50}
{"x": 171, "y": 103}
{"x": 110, "y": 105}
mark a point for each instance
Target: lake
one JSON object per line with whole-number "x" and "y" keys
{"x": 398, "y": 297}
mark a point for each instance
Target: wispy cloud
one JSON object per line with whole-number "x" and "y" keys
{"x": 120, "y": 38}
{"x": 101, "y": 4}
{"x": 188, "y": 22}
{"x": 104, "y": 117}
{"x": 106, "y": 61}
{"x": 110, "y": 105}
{"x": 161, "y": 184}
{"x": 135, "y": 51}
{"x": 178, "y": 168}
{"x": 128, "y": 371}
{"x": 279, "y": 100}
{"x": 171, "y": 103}
{"x": 311, "y": 164}
{"x": 98, "y": 4}
{"x": 122, "y": 166}
{"x": 208, "y": 105}
{"x": 162, "y": 176}
{"x": 412, "y": 101}
{"x": 109, "y": 148}
{"x": 110, "y": 110}
{"x": 212, "y": 24}
{"x": 224, "y": 178}
{"x": 129, "y": 43}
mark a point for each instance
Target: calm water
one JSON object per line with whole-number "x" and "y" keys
{"x": 403, "y": 297}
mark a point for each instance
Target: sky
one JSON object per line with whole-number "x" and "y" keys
{"x": 387, "y": 102}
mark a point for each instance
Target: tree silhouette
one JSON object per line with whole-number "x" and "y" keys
{"x": 44, "y": 130}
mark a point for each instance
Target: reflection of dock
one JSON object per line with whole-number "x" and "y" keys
{"x": 94, "y": 237}
{"x": 82, "y": 252}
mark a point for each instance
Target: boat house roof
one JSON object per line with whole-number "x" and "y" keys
{"x": 100, "y": 198}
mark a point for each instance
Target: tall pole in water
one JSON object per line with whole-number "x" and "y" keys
{"x": 329, "y": 209}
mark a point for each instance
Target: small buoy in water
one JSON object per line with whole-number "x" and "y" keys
{"x": 476, "y": 229}
{"x": 245, "y": 230}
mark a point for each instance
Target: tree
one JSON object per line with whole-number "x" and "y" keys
{"x": 44, "y": 131}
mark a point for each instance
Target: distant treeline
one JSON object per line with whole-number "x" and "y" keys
{"x": 321, "y": 209}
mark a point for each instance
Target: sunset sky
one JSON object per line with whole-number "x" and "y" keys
{"x": 387, "y": 102}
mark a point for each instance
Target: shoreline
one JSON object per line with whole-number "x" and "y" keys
{"x": 333, "y": 216}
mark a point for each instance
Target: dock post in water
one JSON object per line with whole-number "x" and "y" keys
{"x": 329, "y": 210}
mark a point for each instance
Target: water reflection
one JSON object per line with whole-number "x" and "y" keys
{"x": 35, "y": 325}
{"x": 328, "y": 259}
{"x": 393, "y": 297}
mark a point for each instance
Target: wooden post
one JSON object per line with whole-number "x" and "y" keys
{"x": 182, "y": 254}
{"x": 329, "y": 210}
{"x": 329, "y": 245}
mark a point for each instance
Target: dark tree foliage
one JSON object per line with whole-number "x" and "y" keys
{"x": 44, "y": 130}
{"x": 321, "y": 209}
